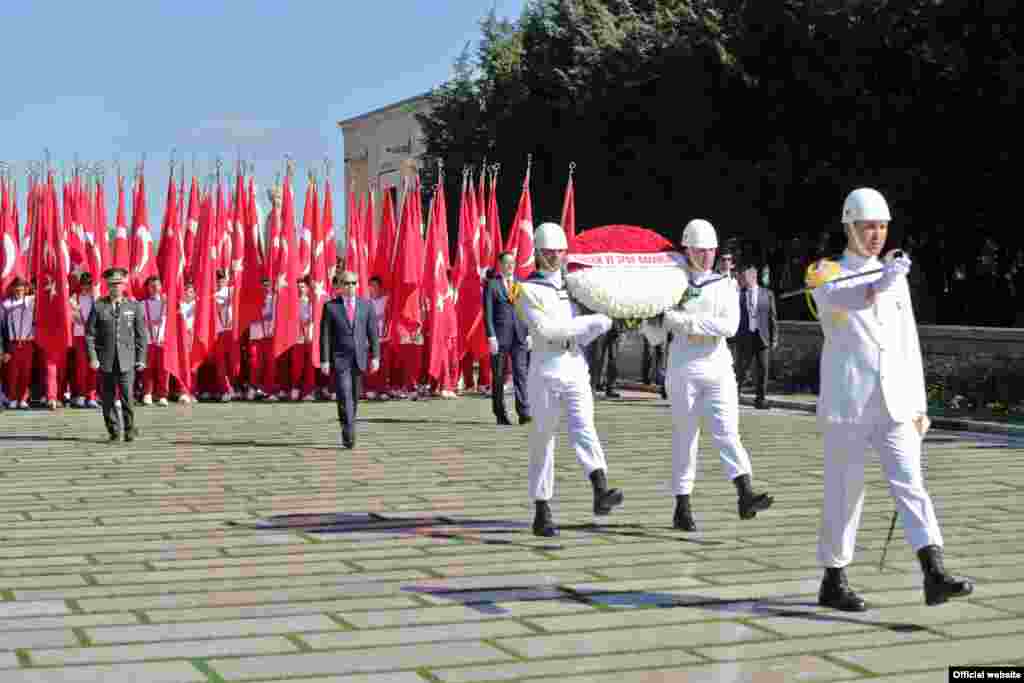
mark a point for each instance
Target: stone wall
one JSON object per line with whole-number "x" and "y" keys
{"x": 981, "y": 363}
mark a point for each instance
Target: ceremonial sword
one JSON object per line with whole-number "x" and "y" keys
{"x": 876, "y": 271}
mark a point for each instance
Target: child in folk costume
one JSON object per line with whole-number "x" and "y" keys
{"x": 700, "y": 380}
{"x": 84, "y": 379}
{"x": 872, "y": 397}
{"x": 378, "y": 384}
{"x": 303, "y": 379}
{"x": 19, "y": 336}
{"x": 155, "y": 380}
{"x": 224, "y": 325}
{"x": 187, "y": 307}
{"x": 262, "y": 365}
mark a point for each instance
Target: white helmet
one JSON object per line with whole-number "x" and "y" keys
{"x": 699, "y": 234}
{"x": 865, "y": 204}
{"x": 549, "y": 236}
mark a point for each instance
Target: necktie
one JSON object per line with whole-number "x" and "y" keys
{"x": 351, "y": 311}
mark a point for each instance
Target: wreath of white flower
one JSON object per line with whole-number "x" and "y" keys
{"x": 626, "y": 293}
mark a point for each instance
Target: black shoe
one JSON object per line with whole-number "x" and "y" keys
{"x": 683, "y": 518}
{"x": 525, "y": 419}
{"x": 348, "y": 440}
{"x": 750, "y": 503}
{"x": 836, "y": 593}
{"x": 938, "y": 585}
{"x": 664, "y": 394}
{"x": 604, "y": 498}
{"x": 504, "y": 422}
{"x": 115, "y": 436}
{"x": 543, "y": 524}
{"x": 761, "y": 404}
{"x": 611, "y": 393}
{"x": 130, "y": 434}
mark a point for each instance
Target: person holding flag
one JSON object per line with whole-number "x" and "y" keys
{"x": 19, "y": 335}
{"x": 155, "y": 379}
{"x": 84, "y": 379}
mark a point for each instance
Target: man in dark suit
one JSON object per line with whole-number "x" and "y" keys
{"x": 506, "y": 334}
{"x": 758, "y": 332}
{"x": 116, "y": 342}
{"x": 348, "y": 330}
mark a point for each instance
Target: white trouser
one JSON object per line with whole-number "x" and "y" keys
{"x": 899, "y": 448}
{"x": 549, "y": 396}
{"x": 713, "y": 396}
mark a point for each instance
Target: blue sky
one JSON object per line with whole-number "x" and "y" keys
{"x": 118, "y": 78}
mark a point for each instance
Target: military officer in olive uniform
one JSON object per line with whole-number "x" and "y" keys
{"x": 116, "y": 341}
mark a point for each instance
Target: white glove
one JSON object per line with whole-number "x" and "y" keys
{"x": 325, "y": 368}
{"x": 529, "y": 343}
{"x": 894, "y": 269}
{"x": 95, "y": 364}
{"x": 492, "y": 342}
{"x": 374, "y": 364}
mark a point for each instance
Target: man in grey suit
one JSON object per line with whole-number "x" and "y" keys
{"x": 116, "y": 342}
{"x": 348, "y": 330}
{"x": 758, "y": 333}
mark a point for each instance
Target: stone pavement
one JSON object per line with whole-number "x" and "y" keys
{"x": 169, "y": 560}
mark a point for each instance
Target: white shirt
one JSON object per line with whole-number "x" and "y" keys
{"x": 752, "y": 307}
{"x": 305, "y": 321}
{"x": 225, "y": 313}
{"x": 188, "y": 314}
{"x": 156, "y": 320}
{"x": 380, "y": 307}
{"x": 264, "y": 328}
{"x": 871, "y": 346}
{"x": 19, "y": 318}
{"x": 80, "y": 317}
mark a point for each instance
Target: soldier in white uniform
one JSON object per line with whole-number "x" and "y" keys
{"x": 873, "y": 396}
{"x": 558, "y": 379}
{"x": 700, "y": 380}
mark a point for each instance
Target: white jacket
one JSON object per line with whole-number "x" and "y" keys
{"x": 869, "y": 346}
{"x": 558, "y": 333}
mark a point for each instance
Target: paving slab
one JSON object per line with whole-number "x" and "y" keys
{"x": 171, "y": 557}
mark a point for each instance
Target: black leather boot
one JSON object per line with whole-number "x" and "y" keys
{"x": 938, "y": 585}
{"x": 836, "y": 592}
{"x": 604, "y": 498}
{"x": 543, "y": 524}
{"x": 749, "y": 502}
{"x": 683, "y": 519}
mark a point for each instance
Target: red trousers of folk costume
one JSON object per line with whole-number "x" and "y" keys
{"x": 222, "y": 364}
{"x": 408, "y": 366}
{"x": 84, "y": 380}
{"x": 19, "y": 369}
{"x": 302, "y": 373}
{"x": 155, "y": 380}
{"x": 263, "y": 367}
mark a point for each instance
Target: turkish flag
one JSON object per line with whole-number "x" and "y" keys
{"x": 171, "y": 264}
{"x": 440, "y": 321}
{"x": 520, "y": 238}
{"x": 569, "y": 212}
{"x": 53, "y": 312}
{"x": 354, "y": 242}
{"x": 191, "y": 229}
{"x": 493, "y": 226}
{"x": 330, "y": 243}
{"x": 285, "y": 279}
{"x": 143, "y": 261}
{"x": 12, "y": 262}
{"x": 250, "y": 295}
{"x": 320, "y": 288}
{"x": 385, "y": 253}
{"x": 470, "y": 308}
{"x": 204, "y": 331}
{"x": 405, "y": 313}
{"x": 369, "y": 243}
{"x": 122, "y": 247}
{"x": 100, "y": 235}
{"x": 306, "y": 234}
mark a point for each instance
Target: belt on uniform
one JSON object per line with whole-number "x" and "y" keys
{"x": 568, "y": 345}
{"x": 696, "y": 339}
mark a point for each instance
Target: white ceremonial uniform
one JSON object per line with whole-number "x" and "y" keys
{"x": 872, "y": 387}
{"x": 558, "y": 378}
{"x": 700, "y": 380}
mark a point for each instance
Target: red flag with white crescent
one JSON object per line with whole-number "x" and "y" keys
{"x": 320, "y": 286}
{"x": 143, "y": 258}
{"x": 285, "y": 282}
{"x": 306, "y": 232}
{"x": 441, "y": 311}
{"x": 250, "y": 296}
{"x": 354, "y": 241}
{"x": 330, "y": 243}
{"x": 569, "y": 212}
{"x": 520, "y": 238}
{"x": 171, "y": 265}
{"x": 12, "y": 262}
{"x": 204, "y": 331}
{"x": 53, "y": 313}
{"x": 191, "y": 228}
{"x": 101, "y": 235}
{"x": 122, "y": 246}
